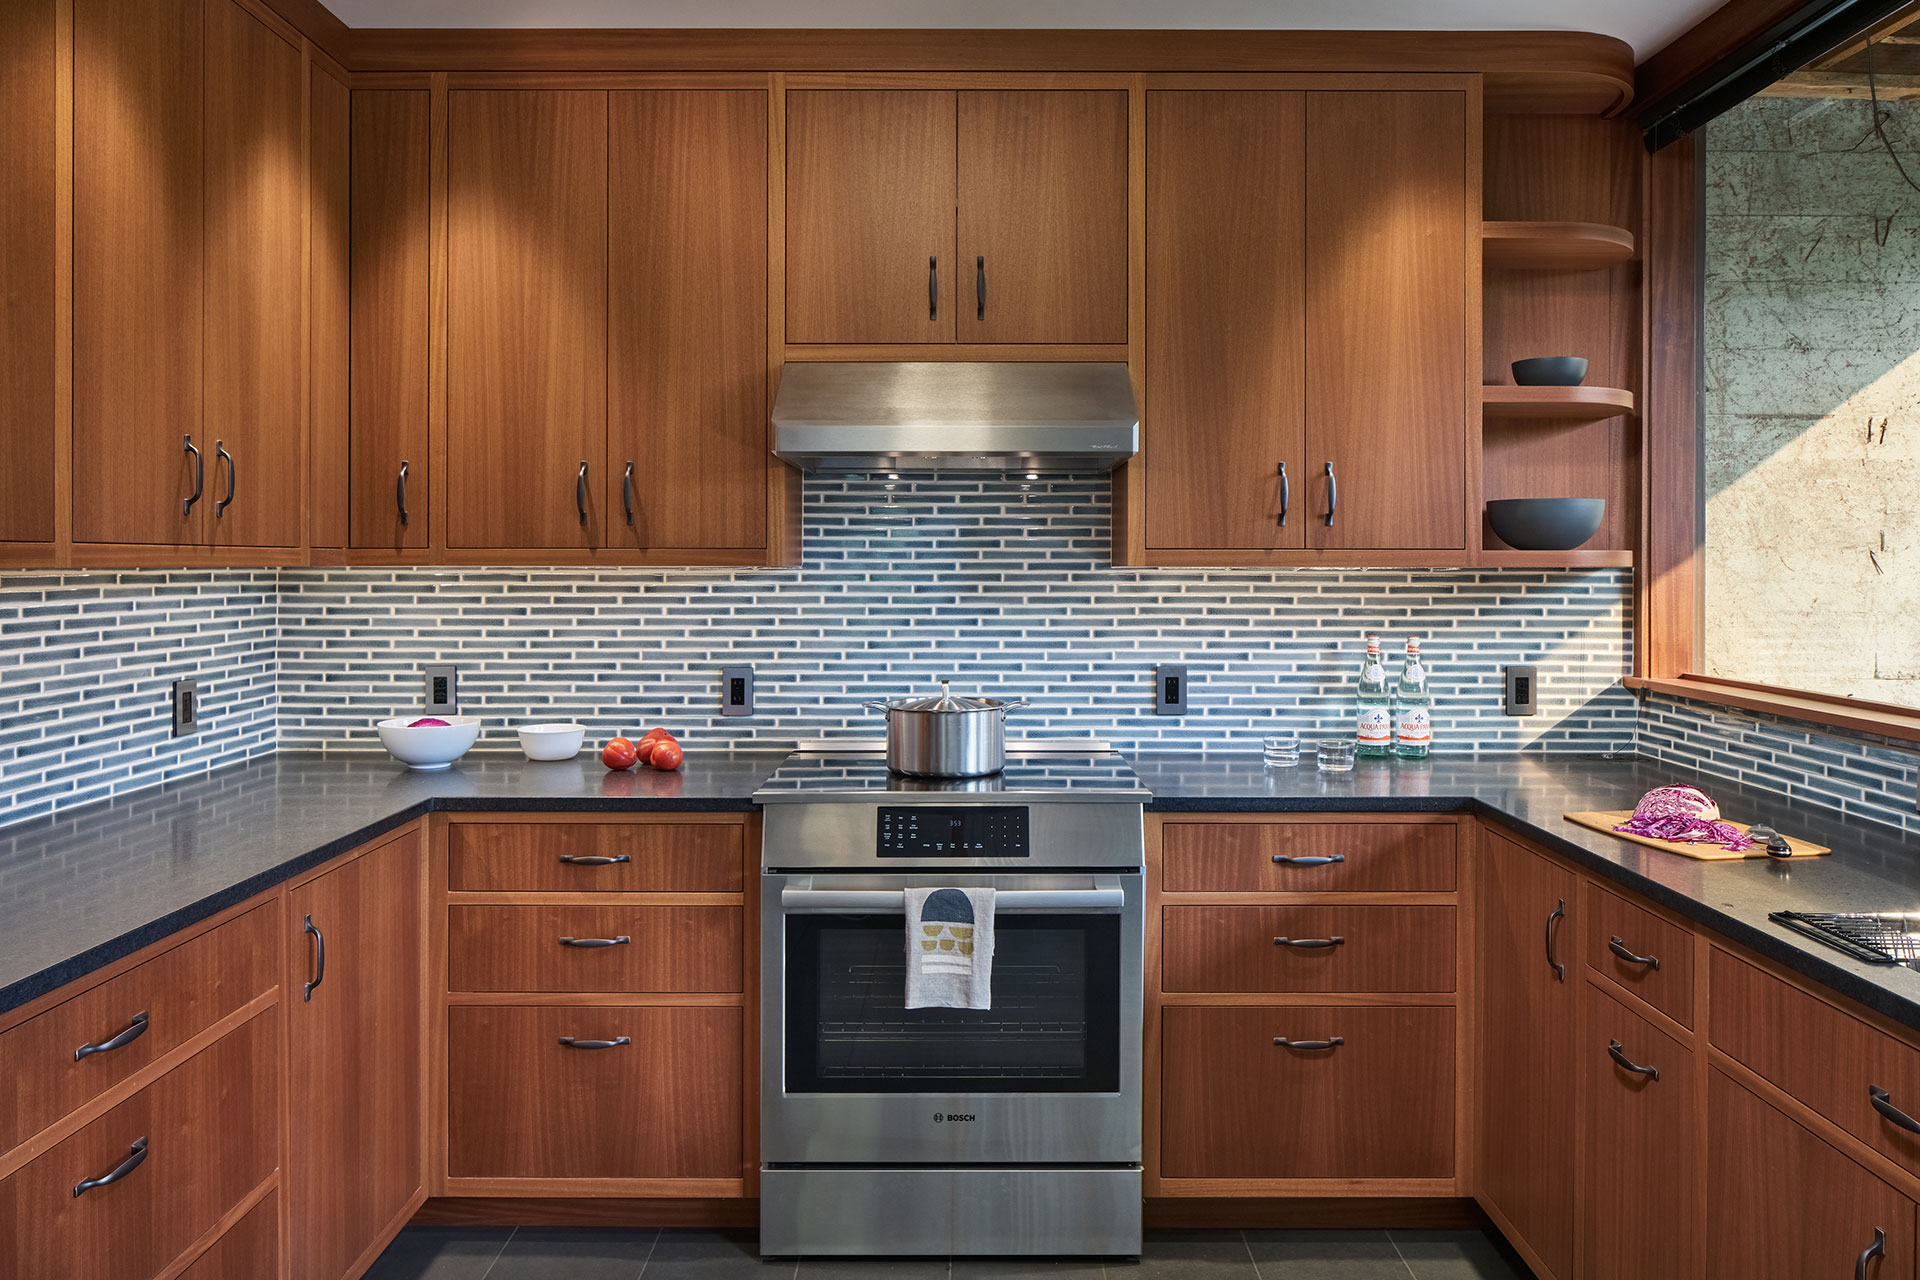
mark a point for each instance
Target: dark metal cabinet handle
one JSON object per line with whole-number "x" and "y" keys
{"x": 1619, "y": 948}
{"x": 1282, "y": 860}
{"x": 1619, "y": 1055}
{"x": 1310, "y": 944}
{"x": 1553, "y": 925}
{"x": 121, "y": 1170}
{"x": 571, "y": 1043}
{"x": 199, "y": 477}
{"x": 1309, "y": 1046}
{"x": 595, "y": 942}
{"x": 1333, "y": 494}
{"x": 400, "y": 492}
{"x": 135, "y": 1029}
{"x": 1878, "y": 1249}
{"x": 933, "y": 288}
{"x": 1286, "y": 494}
{"x": 1883, "y": 1103}
{"x": 582, "y": 860}
{"x": 319, "y": 959}
{"x": 626, "y": 493}
{"x": 580, "y": 491}
{"x": 980, "y": 285}
{"x": 233, "y": 478}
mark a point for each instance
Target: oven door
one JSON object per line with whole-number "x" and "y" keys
{"x": 1051, "y": 1074}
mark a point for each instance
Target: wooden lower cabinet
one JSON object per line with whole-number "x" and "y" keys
{"x": 250, "y": 1249}
{"x": 1308, "y": 948}
{"x": 595, "y": 948}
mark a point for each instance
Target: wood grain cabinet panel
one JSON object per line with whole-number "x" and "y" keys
{"x": 527, "y": 308}
{"x": 521, "y": 1104}
{"x": 569, "y": 857}
{"x": 1820, "y": 1211}
{"x": 1325, "y": 949}
{"x": 329, "y": 338}
{"x": 150, "y": 1009}
{"x": 248, "y": 1250}
{"x": 1658, "y": 962}
{"x": 666, "y": 949}
{"x": 29, "y": 100}
{"x": 1236, "y": 1105}
{"x": 1308, "y": 857}
{"x": 687, "y": 448}
{"x": 211, "y": 1128}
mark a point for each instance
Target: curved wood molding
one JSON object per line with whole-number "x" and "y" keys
{"x": 1556, "y": 404}
{"x": 1555, "y": 246}
{"x": 1536, "y": 71}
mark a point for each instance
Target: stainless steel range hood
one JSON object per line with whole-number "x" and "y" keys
{"x": 955, "y": 415}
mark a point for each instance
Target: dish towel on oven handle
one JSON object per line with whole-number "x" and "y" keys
{"x": 949, "y": 948}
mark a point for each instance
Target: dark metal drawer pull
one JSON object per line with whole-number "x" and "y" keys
{"x": 1333, "y": 494}
{"x": 1619, "y": 1055}
{"x": 1286, "y": 494}
{"x": 135, "y": 1029}
{"x": 1558, "y": 914}
{"x": 580, "y": 491}
{"x": 583, "y": 860}
{"x": 595, "y": 942}
{"x": 1309, "y": 1046}
{"x": 1878, "y": 1249}
{"x": 233, "y": 479}
{"x": 319, "y": 960}
{"x": 120, "y": 1171}
{"x": 626, "y": 493}
{"x": 199, "y": 477}
{"x": 1282, "y": 860}
{"x": 933, "y": 288}
{"x": 1883, "y": 1103}
{"x": 1309, "y": 944}
{"x": 571, "y": 1043}
{"x": 1619, "y": 948}
{"x": 400, "y": 491}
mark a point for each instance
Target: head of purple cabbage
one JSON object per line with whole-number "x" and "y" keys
{"x": 1684, "y": 814}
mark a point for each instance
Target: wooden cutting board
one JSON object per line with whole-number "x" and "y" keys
{"x": 1700, "y": 852}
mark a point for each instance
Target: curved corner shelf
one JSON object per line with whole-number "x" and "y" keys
{"x": 1555, "y": 404}
{"x": 1578, "y": 558}
{"x": 1554, "y": 246}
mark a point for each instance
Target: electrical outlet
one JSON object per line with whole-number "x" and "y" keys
{"x": 441, "y": 689}
{"x": 736, "y": 691}
{"x": 186, "y": 707}
{"x": 1523, "y": 691}
{"x": 1170, "y": 690}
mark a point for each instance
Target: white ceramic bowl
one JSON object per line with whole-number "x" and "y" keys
{"x": 429, "y": 746}
{"x": 552, "y": 741}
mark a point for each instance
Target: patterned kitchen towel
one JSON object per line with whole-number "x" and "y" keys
{"x": 949, "y": 948}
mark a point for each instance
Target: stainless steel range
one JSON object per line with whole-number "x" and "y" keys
{"x": 1014, "y": 1130}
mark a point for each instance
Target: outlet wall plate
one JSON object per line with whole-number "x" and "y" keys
{"x": 1171, "y": 690}
{"x": 440, "y": 689}
{"x": 186, "y": 707}
{"x": 736, "y": 691}
{"x": 1522, "y": 697}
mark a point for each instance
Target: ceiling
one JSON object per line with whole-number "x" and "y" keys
{"x": 1647, "y": 25}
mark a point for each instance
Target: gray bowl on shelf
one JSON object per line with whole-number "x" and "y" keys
{"x": 1546, "y": 524}
{"x": 1550, "y": 371}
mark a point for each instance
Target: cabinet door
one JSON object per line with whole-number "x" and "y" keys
{"x": 527, "y": 299}
{"x": 870, "y": 215}
{"x": 1820, "y": 1213}
{"x": 256, "y": 189}
{"x": 687, "y": 453}
{"x": 1529, "y": 969}
{"x": 1639, "y": 1206}
{"x": 29, "y": 96}
{"x": 329, "y": 338}
{"x": 390, "y": 320}
{"x": 1226, "y": 307}
{"x": 357, "y": 1085}
{"x": 1043, "y": 216}
{"x": 138, "y": 200}
{"x": 1388, "y": 213}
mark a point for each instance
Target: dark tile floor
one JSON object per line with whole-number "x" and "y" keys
{"x": 558, "y": 1253}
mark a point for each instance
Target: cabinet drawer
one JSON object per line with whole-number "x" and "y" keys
{"x": 1236, "y": 1105}
{"x": 1374, "y": 949}
{"x": 1280, "y": 857}
{"x": 666, "y": 949}
{"x": 250, "y": 1249}
{"x": 520, "y": 1104}
{"x": 564, "y": 857}
{"x": 1828, "y": 1060}
{"x": 1663, "y": 974}
{"x": 180, "y": 993}
{"x": 211, "y": 1129}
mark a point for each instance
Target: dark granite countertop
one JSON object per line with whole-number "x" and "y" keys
{"x": 83, "y": 888}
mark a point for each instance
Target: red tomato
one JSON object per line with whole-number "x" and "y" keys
{"x": 619, "y": 753}
{"x": 667, "y": 754}
{"x": 643, "y": 749}
{"x": 652, "y": 734}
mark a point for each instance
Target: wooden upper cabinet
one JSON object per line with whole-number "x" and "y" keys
{"x": 1389, "y": 212}
{"x": 527, "y": 311}
{"x": 687, "y": 449}
{"x": 1042, "y": 216}
{"x": 29, "y": 96}
{"x": 138, "y": 201}
{"x": 330, "y": 138}
{"x": 256, "y": 189}
{"x": 870, "y": 215}
{"x": 1226, "y": 334}
{"x": 389, "y": 302}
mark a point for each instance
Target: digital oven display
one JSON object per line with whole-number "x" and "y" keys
{"x": 977, "y": 831}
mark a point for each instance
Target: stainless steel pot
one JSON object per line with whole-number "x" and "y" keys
{"x": 946, "y": 737}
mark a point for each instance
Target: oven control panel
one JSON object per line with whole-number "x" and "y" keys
{"x": 969, "y": 831}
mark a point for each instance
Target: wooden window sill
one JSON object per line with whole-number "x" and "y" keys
{"x": 1901, "y": 724}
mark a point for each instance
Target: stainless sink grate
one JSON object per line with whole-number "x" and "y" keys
{"x": 1891, "y": 937}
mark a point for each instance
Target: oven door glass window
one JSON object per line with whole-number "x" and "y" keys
{"x": 1054, "y": 1026}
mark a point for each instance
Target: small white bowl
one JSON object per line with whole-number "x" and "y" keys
{"x": 429, "y": 747}
{"x": 552, "y": 741}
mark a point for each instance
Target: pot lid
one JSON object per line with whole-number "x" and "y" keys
{"x": 946, "y": 701}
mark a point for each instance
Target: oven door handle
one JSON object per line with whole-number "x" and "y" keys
{"x": 1106, "y": 897}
